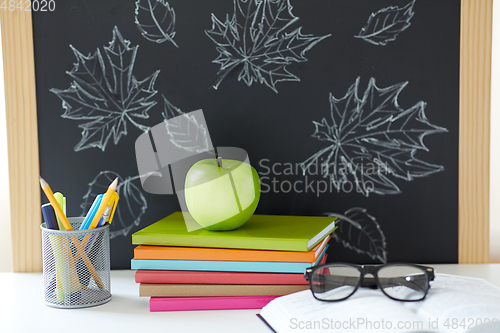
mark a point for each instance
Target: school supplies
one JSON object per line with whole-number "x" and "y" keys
{"x": 107, "y": 216}
{"x": 104, "y": 203}
{"x": 48, "y": 192}
{"x": 80, "y": 247}
{"x": 196, "y": 278}
{"x": 70, "y": 280}
{"x": 207, "y": 277}
{"x": 208, "y": 303}
{"x": 203, "y": 253}
{"x": 260, "y": 232}
{"x": 49, "y": 217}
{"x": 198, "y": 290}
{"x": 109, "y": 212}
{"x": 61, "y": 273}
{"x": 63, "y": 282}
{"x": 104, "y": 216}
{"x": 226, "y": 266}
{"x": 61, "y": 200}
{"x": 82, "y": 276}
{"x": 90, "y": 215}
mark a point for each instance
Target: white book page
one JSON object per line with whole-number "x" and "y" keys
{"x": 454, "y": 304}
{"x": 365, "y": 311}
{"x": 460, "y": 303}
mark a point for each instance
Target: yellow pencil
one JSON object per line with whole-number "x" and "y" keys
{"x": 48, "y": 192}
{"x": 104, "y": 203}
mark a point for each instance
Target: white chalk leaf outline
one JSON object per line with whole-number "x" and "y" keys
{"x": 373, "y": 131}
{"x": 106, "y": 95}
{"x": 259, "y": 41}
{"x": 184, "y": 130}
{"x": 155, "y": 20}
{"x": 386, "y": 24}
{"x": 359, "y": 231}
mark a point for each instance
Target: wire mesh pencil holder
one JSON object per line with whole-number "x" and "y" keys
{"x": 76, "y": 266}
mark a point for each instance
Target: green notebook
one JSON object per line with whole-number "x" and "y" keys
{"x": 261, "y": 232}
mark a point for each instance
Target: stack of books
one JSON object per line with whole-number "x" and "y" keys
{"x": 241, "y": 269}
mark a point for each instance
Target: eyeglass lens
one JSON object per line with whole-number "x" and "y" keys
{"x": 402, "y": 282}
{"x": 334, "y": 283}
{"x": 406, "y": 283}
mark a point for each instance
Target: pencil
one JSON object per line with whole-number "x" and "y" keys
{"x": 104, "y": 203}
{"x": 48, "y": 192}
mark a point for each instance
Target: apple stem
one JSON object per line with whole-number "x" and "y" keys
{"x": 219, "y": 161}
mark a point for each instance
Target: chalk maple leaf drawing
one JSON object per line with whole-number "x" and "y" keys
{"x": 371, "y": 139}
{"x": 260, "y": 42}
{"x": 385, "y": 25}
{"x": 131, "y": 206}
{"x": 359, "y": 231}
{"x": 155, "y": 19}
{"x": 105, "y": 94}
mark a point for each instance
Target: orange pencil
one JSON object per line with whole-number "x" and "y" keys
{"x": 50, "y": 195}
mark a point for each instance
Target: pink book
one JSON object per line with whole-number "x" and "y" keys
{"x": 205, "y": 277}
{"x": 208, "y": 303}
{"x": 202, "y": 277}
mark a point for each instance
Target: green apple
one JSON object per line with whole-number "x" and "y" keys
{"x": 222, "y": 197}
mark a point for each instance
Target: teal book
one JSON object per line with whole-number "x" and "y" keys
{"x": 225, "y": 266}
{"x": 261, "y": 232}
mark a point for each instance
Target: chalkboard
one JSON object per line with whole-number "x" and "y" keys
{"x": 371, "y": 88}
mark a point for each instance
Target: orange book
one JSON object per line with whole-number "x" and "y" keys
{"x": 201, "y": 253}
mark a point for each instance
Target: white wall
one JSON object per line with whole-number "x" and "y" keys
{"x": 495, "y": 139}
{"x": 5, "y": 239}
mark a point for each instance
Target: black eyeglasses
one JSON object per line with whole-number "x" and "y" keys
{"x": 399, "y": 281}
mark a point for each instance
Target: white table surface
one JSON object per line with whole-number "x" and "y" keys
{"x": 22, "y": 308}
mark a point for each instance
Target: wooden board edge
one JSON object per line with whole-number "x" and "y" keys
{"x": 22, "y": 140}
{"x": 474, "y": 129}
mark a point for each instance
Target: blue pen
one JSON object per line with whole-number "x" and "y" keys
{"x": 90, "y": 215}
{"x": 50, "y": 217}
{"x": 51, "y": 223}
